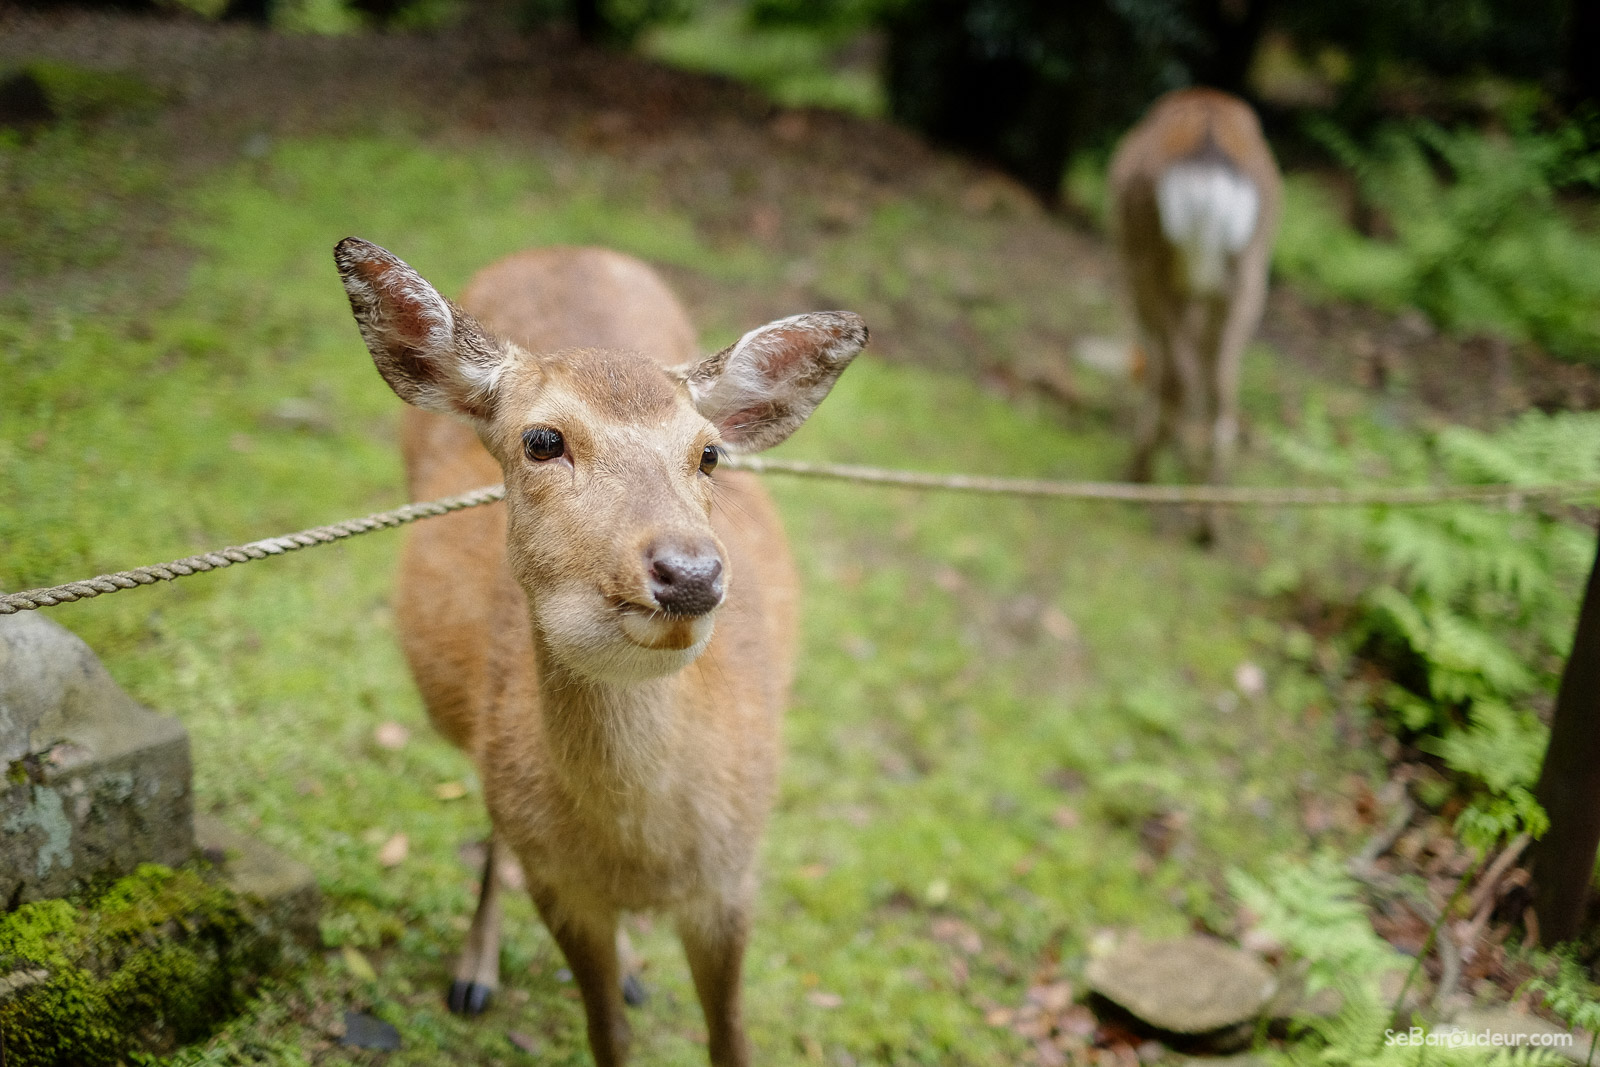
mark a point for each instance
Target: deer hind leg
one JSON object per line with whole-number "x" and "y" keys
{"x": 1239, "y": 324}
{"x": 1158, "y": 416}
{"x": 588, "y": 940}
{"x": 714, "y": 939}
{"x": 477, "y": 974}
{"x": 1190, "y": 368}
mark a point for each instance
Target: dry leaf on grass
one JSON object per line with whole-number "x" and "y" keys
{"x": 391, "y": 735}
{"x": 358, "y": 964}
{"x": 394, "y": 850}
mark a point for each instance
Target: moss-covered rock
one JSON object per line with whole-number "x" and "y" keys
{"x": 155, "y": 960}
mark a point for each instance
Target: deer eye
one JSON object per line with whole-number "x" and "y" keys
{"x": 543, "y": 443}
{"x": 708, "y": 459}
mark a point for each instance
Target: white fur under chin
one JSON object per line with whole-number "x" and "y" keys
{"x": 613, "y": 650}
{"x": 1209, "y": 211}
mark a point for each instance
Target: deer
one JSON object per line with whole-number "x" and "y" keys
{"x": 613, "y": 644}
{"x": 1195, "y": 197}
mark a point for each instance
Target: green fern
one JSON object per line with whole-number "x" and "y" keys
{"x": 1571, "y": 995}
{"x": 1315, "y": 911}
{"x": 1480, "y": 242}
{"x": 1469, "y": 609}
{"x": 1361, "y": 1034}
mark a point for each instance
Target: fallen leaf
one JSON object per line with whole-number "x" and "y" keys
{"x": 522, "y": 1041}
{"x": 358, "y": 965}
{"x": 394, "y": 850}
{"x": 1057, "y": 625}
{"x": 1250, "y": 679}
{"x": 1078, "y": 1021}
{"x": 450, "y": 790}
{"x": 1048, "y": 1055}
{"x": 999, "y": 1017}
{"x": 825, "y": 1000}
{"x": 509, "y": 871}
{"x": 955, "y": 932}
{"x": 1053, "y": 998}
{"x": 813, "y": 871}
{"x": 1065, "y": 818}
{"x": 391, "y": 735}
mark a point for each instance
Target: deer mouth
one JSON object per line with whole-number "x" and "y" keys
{"x": 660, "y": 631}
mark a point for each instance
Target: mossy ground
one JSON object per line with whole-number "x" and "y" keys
{"x": 1016, "y": 724}
{"x": 150, "y": 962}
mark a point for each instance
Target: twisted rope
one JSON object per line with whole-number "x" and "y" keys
{"x": 1225, "y": 495}
{"x": 11, "y": 603}
{"x": 1229, "y": 496}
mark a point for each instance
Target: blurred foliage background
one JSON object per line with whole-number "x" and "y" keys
{"x": 1018, "y": 725}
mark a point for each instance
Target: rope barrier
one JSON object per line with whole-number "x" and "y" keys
{"x": 1227, "y": 496}
{"x": 11, "y": 603}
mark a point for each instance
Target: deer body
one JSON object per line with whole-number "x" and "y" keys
{"x": 1195, "y": 199}
{"x": 613, "y": 644}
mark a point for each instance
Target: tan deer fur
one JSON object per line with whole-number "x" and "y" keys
{"x": 1195, "y": 197}
{"x": 628, "y": 753}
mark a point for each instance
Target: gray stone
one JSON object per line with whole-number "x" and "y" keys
{"x": 1194, "y": 985}
{"x": 285, "y": 887}
{"x": 95, "y": 783}
{"x": 1508, "y": 1027}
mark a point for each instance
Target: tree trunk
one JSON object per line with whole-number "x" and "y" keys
{"x": 1233, "y": 30}
{"x": 1569, "y": 784}
{"x": 1582, "y": 74}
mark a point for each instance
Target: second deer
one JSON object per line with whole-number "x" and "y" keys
{"x": 1195, "y": 197}
{"x": 613, "y": 645}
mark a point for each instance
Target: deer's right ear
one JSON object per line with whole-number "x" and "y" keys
{"x": 431, "y": 353}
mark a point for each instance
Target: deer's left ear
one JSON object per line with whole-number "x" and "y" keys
{"x": 759, "y": 389}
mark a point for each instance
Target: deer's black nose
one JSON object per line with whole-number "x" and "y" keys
{"x": 686, "y": 582}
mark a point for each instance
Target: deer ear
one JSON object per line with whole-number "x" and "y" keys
{"x": 433, "y": 354}
{"x": 759, "y": 389}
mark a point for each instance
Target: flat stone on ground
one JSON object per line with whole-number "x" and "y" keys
{"x": 1193, "y": 985}
{"x": 93, "y": 783}
{"x": 1520, "y": 1030}
{"x": 286, "y": 887}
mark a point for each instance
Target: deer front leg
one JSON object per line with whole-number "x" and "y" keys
{"x": 714, "y": 941}
{"x": 633, "y": 991}
{"x": 477, "y": 973}
{"x": 589, "y": 942}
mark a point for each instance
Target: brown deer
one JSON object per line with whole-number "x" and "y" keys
{"x": 612, "y": 645}
{"x": 1195, "y": 197}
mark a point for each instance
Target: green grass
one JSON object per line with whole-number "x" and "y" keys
{"x": 995, "y": 695}
{"x": 797, "y": 66}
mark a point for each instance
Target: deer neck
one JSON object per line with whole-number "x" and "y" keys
{"x": 622, "y": 737}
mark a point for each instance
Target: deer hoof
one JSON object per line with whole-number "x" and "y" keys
{"x": 633, "y": 991}
{"x": 469, "y": 998}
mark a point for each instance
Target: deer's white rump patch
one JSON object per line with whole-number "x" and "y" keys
{"x": 1208, "y": 211}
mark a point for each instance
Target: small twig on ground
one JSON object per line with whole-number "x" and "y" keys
{"x": 1484, "y": 898}
{"x": 1384, "y": 839}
